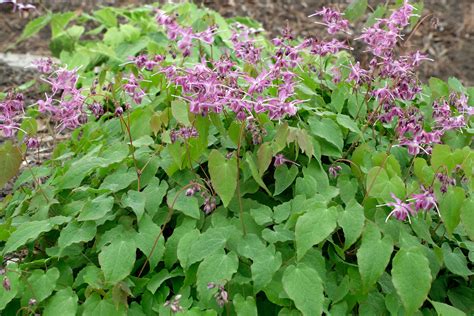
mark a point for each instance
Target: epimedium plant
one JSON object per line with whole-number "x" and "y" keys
{"x": 212, "y": 171}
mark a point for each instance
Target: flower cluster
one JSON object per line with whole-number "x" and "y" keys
{"x": 146, "y": 62}
{"x": 391, "y": 80}
{"x": 210, "y": 202}
{"x": 423, "y": 201}
{"x": 66, "y": 102}
{"x": 256, "y": 131}
{"x": 44, "y": 65}
{"x": 383, "y": 36}
{"x": 183, "y": 35}
{"x": 333, "y": 20}
{"x": 193, "y": 189}
{"x": 11, "y": 110}
{"x": 132, "y": 88}
{"x": 244, "y": 44}
{"x": 214, "y": 85}
{"x": 174, "y": 304}
{"x": 445, "y": 181}
{"x": 221, "y": 296}
{"x": 183, "y": 133}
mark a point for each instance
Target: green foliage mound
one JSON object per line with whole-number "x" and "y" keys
{"x": 196, "y": 185}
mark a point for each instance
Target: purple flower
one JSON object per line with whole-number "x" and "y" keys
{"x": 32, "y": 143}
{"x": 358, "y": 74}
{"x": 209, "y": 204}
{"x": 332, "y": 20}
{"x": 6, "y": 284}
{"x": 97, "y": 109}
{"x": 44, "y": 65}
{"x": 244, "y": 46}
{"x": 401, "y": 210}
{"x": 118, "y": 111}
{"x": 183, "y": 133}
{"x": 425, "y": 200}
{"x": 334, "y": 170}
{"x": 11, "y": 110}
{"x": 401, "y": 17}
{"x": 279, "y": 160}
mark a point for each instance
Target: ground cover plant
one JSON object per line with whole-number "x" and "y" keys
{"x": 214, "y": 171}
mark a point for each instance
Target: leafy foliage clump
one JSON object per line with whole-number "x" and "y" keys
{"x": 212, "y": 171}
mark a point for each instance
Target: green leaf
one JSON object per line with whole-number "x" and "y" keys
{"x": 34, "y": 26}
{"x": 348, "y": 122}
{"x": 264, "y": 157}
{"x": 450, "y": 208}
{"x": 96, "y": 209}
{"x": 305, "y": 233}
{"x": 254, "y": 171}
{"x": 179, "y": 110}
{"x": 10, "y": 162}
{"x": 75, "y": 232}
{"x": 13, "y": 276}
{"x": 380, "y": 185}
{"x": 304, "y": 286}
{"x": 373, "y": 255}
{"x": 29, "y": 126}
{"x": 328, "y": 130}
{"x": 106, "y": 16}
{"x": 455, "y": 261}
{"x": 446, "y": 310}
{"x": 59, "y": 22}
{"x": 218, "y": 269}
{"x": 423, "y": 172}
{"x": 355, "y": 10}
{"x": 352, "y": 221}
{"x": 266, "y": 261}
{"x": 245, "y": 307}
{"x": 136, "y": 201}
{"x": 188, "y": 205}
{"x": 467, "y": 217}
{"x": 148, "y": 231}
{"x": 462, "y": 297}
{"x": 195, "y": 247}
{"x": 284, "y": 177}
{"x": 158, "y": 279}
{"x": 262, "y": 215}
{"x": 154, "y": 194}
{"x": 442, "y": 158}
{"x": 93, "y": 276}
{"x": 411, "y": 277}
{"x": 223, "y": 175}
{"x": 438, "y": 87}
{"x": 41, "y": 284}
{"x": 63, "y": 303}
{"x": 185, "y": 243}
{"x": 264, "y": 266}
{"x": 455, "y": 85}
{"x": 117, "y": 260}
{"x": 29, "y": 231}
{"x": 94, "y": 306}
{"x": 118, "y": 180}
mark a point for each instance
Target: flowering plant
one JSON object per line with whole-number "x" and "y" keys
{"x": 213, "y": 171}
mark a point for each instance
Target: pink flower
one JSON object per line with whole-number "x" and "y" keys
{"x": 401, "y": 210}
{"x": 426, "y": 200}
{"x": 332, "y": 20}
